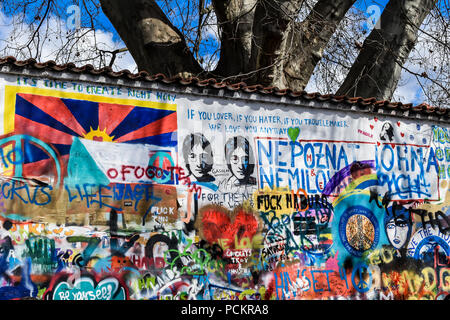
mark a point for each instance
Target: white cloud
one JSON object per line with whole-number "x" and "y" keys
{"x": 409, "y": 91}
{"x": 54, "y": 41}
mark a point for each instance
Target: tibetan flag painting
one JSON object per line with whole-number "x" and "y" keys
{"x": 56, "y": 122}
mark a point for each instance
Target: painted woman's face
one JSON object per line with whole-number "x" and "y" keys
{"x": 198, "y": 159}
{"x": 239, "y": 162}
{"x": 385, "y": 131}
{"x": 397, "y": 232}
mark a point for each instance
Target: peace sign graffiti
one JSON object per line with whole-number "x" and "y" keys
{"x": 16, "y": 157}
{"x": 361, "y": 271}
{"x": 162, "y": 159}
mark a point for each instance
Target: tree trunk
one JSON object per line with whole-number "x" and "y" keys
{"x": 285, "y": 52}
{"x": 155, "y": 44}
{"x": 263, "y": 43}
{"x": 307, "y": 41}
{"x": 235, "y": 19}
{"x": 377, "y": 69}
{"x": 271, "y": 22}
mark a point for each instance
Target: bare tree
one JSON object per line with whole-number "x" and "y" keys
{"x": 36, "y": 30}
{"x": 323, "y": 44}
{"x": 377, "y": 68}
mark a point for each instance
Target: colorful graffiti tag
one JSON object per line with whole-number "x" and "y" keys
{"x": 116, "y": 193}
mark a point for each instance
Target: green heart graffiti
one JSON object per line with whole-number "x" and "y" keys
{"x": 293, "y": 133}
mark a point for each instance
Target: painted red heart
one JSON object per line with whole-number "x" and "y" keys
{"x": 378, "y": 143}
{"x": 402, "y": 134}
{"x": 219, "y": 224}
{"x": 398, "y": 123}
{"x": 371, "y": 126}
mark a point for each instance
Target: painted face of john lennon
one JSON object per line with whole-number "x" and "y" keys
{"x": 198, "y": 161}
{"x": 239, "y": 158}
{"x": 198, "y": 157}
{"x": 239, "y": 162}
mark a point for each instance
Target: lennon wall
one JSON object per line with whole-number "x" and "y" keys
{"x": 112, "y": 192}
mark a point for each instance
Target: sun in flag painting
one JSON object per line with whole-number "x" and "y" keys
{"x": 56, "y": 121}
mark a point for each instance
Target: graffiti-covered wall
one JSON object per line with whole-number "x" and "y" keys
{"x": 130, "y": 193}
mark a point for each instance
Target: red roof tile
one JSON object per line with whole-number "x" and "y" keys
{"x": 376, "y": 106}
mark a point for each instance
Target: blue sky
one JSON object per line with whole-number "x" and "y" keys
{"x": 410, "y": 92}
{"x": 103, "y": 23}
{"x": 364, "y": 4}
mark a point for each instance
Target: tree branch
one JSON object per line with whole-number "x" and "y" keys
{"x": 155, "y": 44}
{"x": 385, "y": 50}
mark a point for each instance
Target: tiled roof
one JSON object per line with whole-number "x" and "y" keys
{"x": 372, "y": 103}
